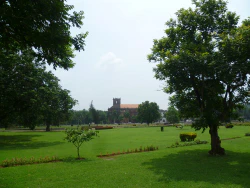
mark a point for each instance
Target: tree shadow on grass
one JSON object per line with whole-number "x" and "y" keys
{"x": 13, "y": 142}
{"x": 198, "y": 166}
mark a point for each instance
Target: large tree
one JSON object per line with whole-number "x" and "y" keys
{"x": 148, "y": 112}
{"x": 43, "y": 26}
{"x": 204, "y": 59}
{"x": 29, "y": 95}
{"x": 32, "y": 34}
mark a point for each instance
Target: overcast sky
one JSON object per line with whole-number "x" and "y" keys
{"x": 114, "y": 63}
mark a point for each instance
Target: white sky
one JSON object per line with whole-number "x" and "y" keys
{"x": 114, "y": 63}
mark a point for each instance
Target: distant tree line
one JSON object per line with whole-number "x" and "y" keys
{"x": 82, "y": 117}
{"x": 244, "y": 113}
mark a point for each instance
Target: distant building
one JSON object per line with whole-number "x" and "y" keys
{"x": 121, "y": 109}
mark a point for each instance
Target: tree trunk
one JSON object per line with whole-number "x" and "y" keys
{"x": 78, "y": 152}
{"x": 216, "y": 148}
{"x": 47, "y": 127}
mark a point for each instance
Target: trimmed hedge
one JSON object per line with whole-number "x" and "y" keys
{"x": 102, "y": 127}
{"x": 196, "y": 142}
{"x": 188, "y": 136}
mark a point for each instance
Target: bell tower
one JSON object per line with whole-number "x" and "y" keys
{"x": 116, "y": 102}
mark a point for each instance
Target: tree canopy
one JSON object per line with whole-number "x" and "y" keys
{"x": 172, "y": 115}
{"x": 33, "y": 34}
{"x": 204, "y": 59}
{"x": 148, "y": 112}
{"x": 78, "y": 136}
{"x": 44, "y": 27}
{"x": 30, "y": 95}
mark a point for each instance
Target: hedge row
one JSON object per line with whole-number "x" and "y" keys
{"x": 102, "y": 127}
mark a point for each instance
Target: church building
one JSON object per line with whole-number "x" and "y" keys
{"x": 122, "y": 108}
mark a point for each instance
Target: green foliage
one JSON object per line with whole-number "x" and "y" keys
{"x": 78, "y": 136}
{"x": 229, "y": 126}
{"x": 244, "y": 113}
{"x": 187, "y": 136}
{"x": 148, "y": 112}
{"x": 94, "y": 113}
{"x": 247, "y": 134}
{"x": 44, "y": 27}
{"x": 134, "y": 118}
{"x": 204, "y": 60}
{"x": 177, "y": 144}
{"x": 136, "y": 150}
{"x": 81, "y": 117}
{"x": 30, "y": 95}
{"x": 127, "y": 115}
{"x": 201, "y": 63}
{"x": 35, "y": 33}
{"x": 114, "y": 116}
{"x": 24, "y": 161}
{"x": 172, "y": 115}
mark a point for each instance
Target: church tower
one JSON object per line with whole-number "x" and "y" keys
{"x": 116, "y": 102}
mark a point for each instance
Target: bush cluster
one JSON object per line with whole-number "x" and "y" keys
{"x": 19, "y": 161}
{"x": 229, "y": 126}
{"x": 188, "y": 136}
{"x": 247, "y": 134}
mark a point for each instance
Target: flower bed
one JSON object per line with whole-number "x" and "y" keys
{"x": 24, "y": 161}
{"x": 141, "y": 149}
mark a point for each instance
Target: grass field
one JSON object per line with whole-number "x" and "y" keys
{"x": 188, "y": 166}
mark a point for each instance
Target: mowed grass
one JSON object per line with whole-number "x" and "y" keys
{"x": 188, "y": 166}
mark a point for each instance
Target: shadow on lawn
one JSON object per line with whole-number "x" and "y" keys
{"x": 23, "y": 142}
{"x": 198, "y": 166}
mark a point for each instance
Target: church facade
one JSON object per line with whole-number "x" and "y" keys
{"x": 119, "y": 109}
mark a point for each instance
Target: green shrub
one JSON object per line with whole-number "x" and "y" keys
{"x": 229, "y": 126}
{"x": 177, "y": 144}
{"x": 247, "y": 134}
{"x": 188, "y": 136}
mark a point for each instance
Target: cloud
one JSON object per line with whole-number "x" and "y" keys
{"x": 110, "y": 61}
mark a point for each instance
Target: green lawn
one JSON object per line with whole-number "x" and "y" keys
{"x": 188, "y": 166}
